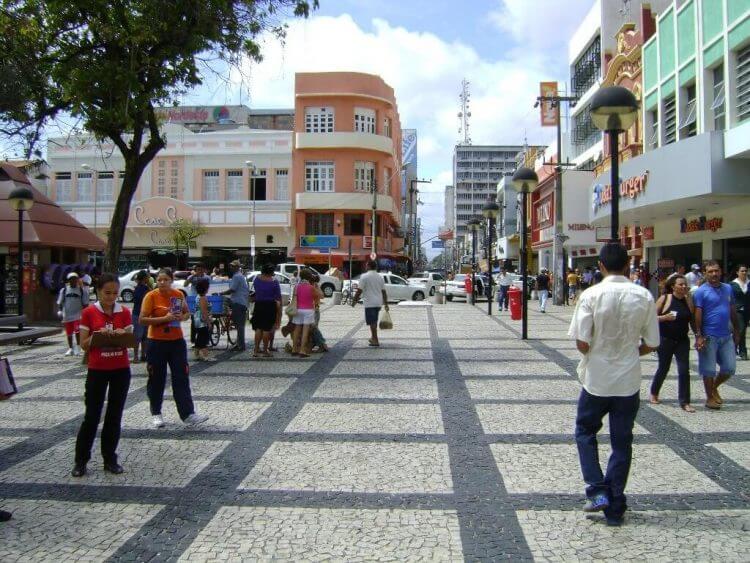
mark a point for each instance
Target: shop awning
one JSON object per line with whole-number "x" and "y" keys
{"x": 358, "y": 254}
{"x": 45, "y": 225}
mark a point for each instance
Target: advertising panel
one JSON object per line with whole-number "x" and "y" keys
{"x": 547, "y": 111}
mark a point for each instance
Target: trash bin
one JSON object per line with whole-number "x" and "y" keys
{"x": 514, "y": 299}
{"x": 337, "y": 298}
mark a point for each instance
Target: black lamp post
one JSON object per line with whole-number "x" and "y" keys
{"x": 614, "y": 109}
{"x": 474, "y": 226}
{"x": 490, "y": 211}
{"x": 524, "y": 181}
{"x": 21, "y": 199}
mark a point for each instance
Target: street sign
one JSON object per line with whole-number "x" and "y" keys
{"x": 319, "y": 241}
{"x": 438, "y": 244}
{"x": 373, "y": 256}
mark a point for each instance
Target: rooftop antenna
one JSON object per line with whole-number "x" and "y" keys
{"x": 464, "y": 97}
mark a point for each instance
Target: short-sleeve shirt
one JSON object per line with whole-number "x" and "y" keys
{"x": 716, "y": 303}
{"x": 138, "y": 294}
{"x": 157, "y": 305}
{"x": 266, "y": 290}
{"x": 572, "y": 279}
{"x": 240, "y": 289}
{"x": 372, "y": 285}
{"x": 542, "y": 281}
{"x": 94, "y": 319}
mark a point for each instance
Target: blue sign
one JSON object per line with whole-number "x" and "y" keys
{"x": 319, "y": 241}
{"x": 438, "y": 244}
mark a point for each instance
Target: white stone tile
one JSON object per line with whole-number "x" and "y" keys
{"x": 478, "y": 344}
{"x": 388, "y": 353}
{"x": 291, "y": 367}
{"x": 49, "y": 531}
{"x": 319, "y": 534}
{"x": 738, "y": 452}
{"x": 18, "y": 413}
{"x": 669, "y": 391}
{"x": 72, "y": 389}
{"x": 147, "y": 463}
{"x": 733, "y": 417}
{"x": 240, "y": 386}
{"x": 554, "y": 468}
{"x": 500, "y": 368}
{"x": 498, "y": 354}
{"x": 377, "y": 388}
{"x": 358, "y": 418}
{"x": 524, "y": 389}
{"x": 7, "y": 441}
{"x": 230, "y": 416}
{"x": 706, "y": 535}
{"x": 416, "y": 343}
{"x": 384, "y": 368}
{"x": 353, "y": 467}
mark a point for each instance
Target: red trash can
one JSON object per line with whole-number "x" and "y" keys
{"x": 514, "y": 299}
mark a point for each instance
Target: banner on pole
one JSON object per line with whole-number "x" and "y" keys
{"x": 547, "y": 110}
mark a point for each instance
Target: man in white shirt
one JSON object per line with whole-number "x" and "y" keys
{"x": 504, "y": 282}
{"x": 614, "y": 323}
{"x": 694, "y": 276}
{"x": 372, "y": 289}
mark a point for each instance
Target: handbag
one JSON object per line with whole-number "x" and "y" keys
{"x": 7, "y": 383}
{"x": 291, "y": 309}
{"x": 386, "y": 323}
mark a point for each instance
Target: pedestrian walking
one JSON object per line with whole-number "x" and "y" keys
{"x": 199, "y": 273}
{"x": 542, "y": 287}
{"x": 72, "y": 300}
{"x": 714, "y": 340}
{"x": 140, "y": 330}
{"x": 202, "y": 320}
{"x": 108, "y": 377}
{"x": 305, "y": 316}
{"x": 239, "y": 293}
{"x": 587, "y": 279}
{"x": 694, "y": 277}
{"x": 613, "y": 324}
{"x": 266, "y": 317}
{"x": 675, "y": 315}
{"x": 573, "y": 281}
{"x": 163, "y": 310}
{"x": 317, "y": 340}
{"x": 504, "y": 282}
{"x": 742, "y": 306}
{"x": 371, "y": 288}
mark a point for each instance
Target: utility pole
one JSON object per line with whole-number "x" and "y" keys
{"x": 413, "y": 217}
{"x": 558, "y": 250}
{"x": 374, "y": 189}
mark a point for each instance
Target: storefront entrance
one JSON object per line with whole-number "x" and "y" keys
{"x": 683, "y": 254}
{"x": 737, "y": 251}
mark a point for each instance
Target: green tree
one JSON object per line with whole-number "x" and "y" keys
{"x": 184, "y": 233}
{"x": 109, "y": 63}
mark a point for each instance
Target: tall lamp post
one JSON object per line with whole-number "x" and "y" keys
{"x": 21, "y": 199}
{"x": 251, "y": 168}
{"x": 490, "y": 211}
{"x": 524, "y": 181}
{"x": 474, "y": 225}
{"x": 614, "y": 109}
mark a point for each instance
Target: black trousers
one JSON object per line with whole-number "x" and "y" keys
{"x": 98, "y": 382}
{"x": 172, "y": 353}
{"x": 680, "y": 349}
{"x": 239, "y": 318}
{"x": 742, "y": 346}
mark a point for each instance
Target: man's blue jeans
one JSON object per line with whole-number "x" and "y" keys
{"x": 502, "y": 297}
{"x": 622, "y": 412}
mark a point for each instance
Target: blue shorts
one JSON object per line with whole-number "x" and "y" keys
{"x": 371, "y": 315}
{"x": 718, "y": 350}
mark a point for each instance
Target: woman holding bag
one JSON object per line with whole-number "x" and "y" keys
{"x": 304, "y": 318}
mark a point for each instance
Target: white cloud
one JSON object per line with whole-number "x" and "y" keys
{"x": 425, "y": 72}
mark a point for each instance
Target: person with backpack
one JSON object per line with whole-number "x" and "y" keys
{"x": 72, "y": 300}
{"x": 140, "y": 330}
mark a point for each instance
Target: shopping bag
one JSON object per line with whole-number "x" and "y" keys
{"x": 7, "y": 383}
{"x": 386, "y": 322}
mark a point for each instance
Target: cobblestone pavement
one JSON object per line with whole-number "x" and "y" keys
{"x": 452, "y": 441}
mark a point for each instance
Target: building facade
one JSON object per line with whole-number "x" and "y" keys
{"x": 202, "y": 176}
{"x": 346, "y": 170}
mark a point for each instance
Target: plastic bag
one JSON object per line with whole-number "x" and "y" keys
{"x": 386, "y": 322}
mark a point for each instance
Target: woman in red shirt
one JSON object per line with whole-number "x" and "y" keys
{"x": 108, "y": 370}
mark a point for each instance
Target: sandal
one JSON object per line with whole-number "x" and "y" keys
{"x": 687, "y": 408}
{"x": 654, "y": 400}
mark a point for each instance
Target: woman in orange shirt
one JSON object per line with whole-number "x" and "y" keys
{"x": 163, "y": 311}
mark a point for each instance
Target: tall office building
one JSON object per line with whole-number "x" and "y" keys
{"x": 477, "y": 169}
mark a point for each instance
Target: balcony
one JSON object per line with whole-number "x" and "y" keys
{"x": 332, "y": 201}
{"x": 344, "y": 140}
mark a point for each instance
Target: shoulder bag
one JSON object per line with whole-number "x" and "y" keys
{"x": 291, "y": 309}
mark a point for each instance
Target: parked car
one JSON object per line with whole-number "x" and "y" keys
{"x": 128, "y": 283}
{"x": 328, "y": 284}
{"x": 457, "y": 287}
{"x": 431, "y": 280}
{"x": 396, "y": 288}
{"x": 284, "y": 281}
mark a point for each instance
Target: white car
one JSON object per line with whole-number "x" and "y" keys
{"x": 128, "y": 283}
{"x": 457, "y": 288}
{"x": 431, "y": 280}
{"x": 396, "y": 288}
{"x": 285, "y": 283}
{"x": 328, "y": 284}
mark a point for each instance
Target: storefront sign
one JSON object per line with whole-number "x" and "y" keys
{"x": 319, "y": 241}
{"x": 647, "y": 233}
{"x": 160, "y": 212}
{"x": 630, "y": 188}
{"x": 580, "y": 227}
{"x": 701, "y": 224}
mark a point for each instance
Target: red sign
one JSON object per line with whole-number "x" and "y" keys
{"x": 630, "y": 188}
{"x": 543, "y": 219}
{"x": 647, "y": 233}
{"x": 446, "y": 235}
{"x": 549, "y": 113}
{"x": 701, "y": 224}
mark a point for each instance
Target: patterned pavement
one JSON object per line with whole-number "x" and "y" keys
{"x": 453, "y": 441}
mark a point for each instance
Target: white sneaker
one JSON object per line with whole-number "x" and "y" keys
{"x": 195, "y": 419}
{"x": 76, "y": 351}
{"x": 157, "y": 421}
{"x": 69, "y": 352}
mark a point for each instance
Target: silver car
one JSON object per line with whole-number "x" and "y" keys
{"x": 396, "y": 288}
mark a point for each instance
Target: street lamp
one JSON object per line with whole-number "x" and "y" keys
{"x": 614, "y": 109}
{"x": 474, "y": 225}
{"x": 87, "y": 168}
{"x": 490, "y": 211}
{"x": 251, "y": 167}
{"x": 21, "y": 199}
{"x": 524, "y": 181}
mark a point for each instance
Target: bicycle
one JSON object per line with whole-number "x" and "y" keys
{"x": 222, "y": 324}
{"x": 346, "y": 297}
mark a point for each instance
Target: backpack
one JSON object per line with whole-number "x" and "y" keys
{"x": 66, "y": 295}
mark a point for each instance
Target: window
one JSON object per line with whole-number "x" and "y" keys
{"x": 364, "y": 174}
{"x": 319, "y": 120}
{"x": 689, "y": 123}
{"x": 258, "y": 185}
{"x": 585, "y": 133}
{"x": 354, "y": 224}
{"x": 84, "y": 186}
{"x": 743, "y": 84}
{"x": 586, "y": 69}
{"x": 282, "y": 184}
{"x": 105, "y": 186}
{"x": 717, "y": 106}
{"x": 670, "y": 120}
{"x": 161, "y": 178}
{"x": 174, "y": 179}
{"x": 319, "y": 176}
{"x": 364, "y": 120}
{"x": 235, "y": 185}
{"x": 319, "y": 224}
{"x": 387, "y": 127}
{"x": 210, "y": 185}
{"x": 653, "y": 137}
{"x": 64, "y": 186}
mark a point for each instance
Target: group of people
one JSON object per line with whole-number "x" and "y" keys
{"x": 614, "y": 323}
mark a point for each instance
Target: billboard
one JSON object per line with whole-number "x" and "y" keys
{"x": 408, "y": 158}
{"x": 319, "y": 241}
{"x": 547, "y": 110}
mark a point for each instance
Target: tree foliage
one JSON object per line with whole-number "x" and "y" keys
{"x": 185, "y": 232}
{"x": 109, "y": 63}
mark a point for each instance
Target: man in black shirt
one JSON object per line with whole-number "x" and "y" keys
{"x": 542, "y": 286}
